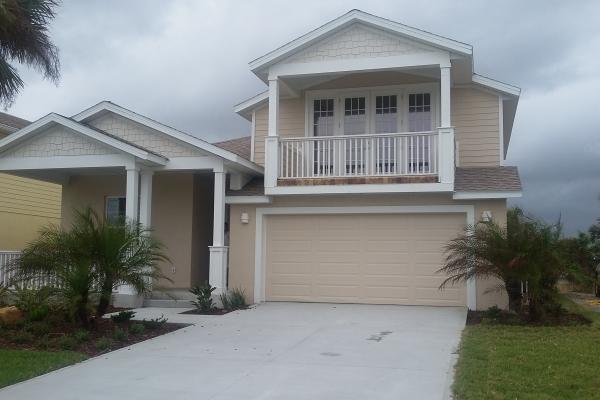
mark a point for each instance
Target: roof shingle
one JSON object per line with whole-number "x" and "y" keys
{"x": 487, "y": 179}
{"x": 239, "y": 146}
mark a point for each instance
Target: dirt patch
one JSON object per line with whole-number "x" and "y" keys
{"x": 509, "y": 318}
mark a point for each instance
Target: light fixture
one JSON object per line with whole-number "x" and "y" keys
{"x": 244, "y": 218}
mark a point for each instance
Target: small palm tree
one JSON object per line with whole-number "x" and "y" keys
{"x": 526, "y": 250}
{"x": 93, "y": 257}
{"x": 24, "y": 39}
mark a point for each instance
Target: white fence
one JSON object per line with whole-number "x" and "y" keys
{"x": 394, "y": 154}
{"x": 5, "y": 258}
{"x": 6, "y": 275}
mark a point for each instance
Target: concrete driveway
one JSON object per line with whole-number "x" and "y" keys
{"x": 274, "y": 351}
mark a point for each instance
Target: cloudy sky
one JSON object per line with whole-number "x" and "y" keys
{"x": 184, "y": 63}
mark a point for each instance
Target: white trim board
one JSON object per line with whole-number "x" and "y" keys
{"x": 247, "y": 200}
{"x": 362, "y": 188}
{"x": 486, "y": 195}
{"x": 260, "y": 234}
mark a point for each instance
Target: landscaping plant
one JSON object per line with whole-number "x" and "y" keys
{"x": 203, "y": 293}
{"x": 123, "y": 316}
{"x": 234, "y": 299}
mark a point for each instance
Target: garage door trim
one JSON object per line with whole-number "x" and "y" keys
{"x": 259, "y": 262}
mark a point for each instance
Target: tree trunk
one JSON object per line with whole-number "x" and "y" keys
{"x": 105, "y": 296}
{"x": 513, "y": 288}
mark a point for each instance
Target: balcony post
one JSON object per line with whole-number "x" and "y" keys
{"x": 271, "y": 141}
{"x": 446, "y": 155}
{"x": 217, "y": 274}
{"x": 445, "y": 110}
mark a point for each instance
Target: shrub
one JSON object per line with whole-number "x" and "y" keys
{"x": 120, "y": 335}
{"x": 155, "y": 323}
{"x": 103, "y": 344}
{"x": 235, "y": 299}
{"x": 203, "y": 293}
{"x": 123, "y": 316}
{"x": 4, "y": 294}
{"x": 66, "y": 342}
{"x": 81, "y": 336}
{"x": 23, "y": 337}
{"x": 35, "y": 303}
{"x": 38, "y": 328}
{"x": 137, "y": 329}
{"x": 44, "y": 343}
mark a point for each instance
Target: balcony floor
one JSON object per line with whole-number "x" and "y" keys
{"x": 357, "y": 180}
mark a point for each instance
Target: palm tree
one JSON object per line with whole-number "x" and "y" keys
{"x": 24, "y": 39}
{"x": 526, "y": 250}
{"x": 93, "y": 257}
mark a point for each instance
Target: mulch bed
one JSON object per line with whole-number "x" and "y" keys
{"x": 216, "y": 311}
{"x": 11, "y": 337}
{"x": 510, "y": 318}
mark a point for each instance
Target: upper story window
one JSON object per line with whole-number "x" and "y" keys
{"x": 419, "y": 112}
{"x": 378, "y": 110}
{"x": 323, "y": 117}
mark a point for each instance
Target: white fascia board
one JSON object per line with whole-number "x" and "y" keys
{"x": 167, "y": 130}
{"x": 486, "y": 195}
{"x": 248, "y": 200}
{"x": 363, "y": 188}
{"x": 57, "y": 119}
{"x": 246, "y": 107}
{"x": 353, "y": 17}
{"x": 501, "y": 87}
{"x": 65, "y": 162}
{"x": 360, "y": 64}
{"x": 190, "y": 163}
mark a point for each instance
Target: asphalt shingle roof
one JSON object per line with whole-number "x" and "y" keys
{"x": 482, "y": 179}
{"x": 240, "y": 146}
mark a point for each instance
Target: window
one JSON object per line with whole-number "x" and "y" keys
{"x": 386, "y": 114}
{"x": 115, "y": 208}
{"x": 324, "y": 123}
{"x": 355, "y": 117}
{"x": 419, "y": 112}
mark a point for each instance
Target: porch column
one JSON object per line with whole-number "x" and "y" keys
{"x": 132, "y": 193}
{"x": 126, "y": 295}
{"x": 217, "y": 275}
{"x": 146, "y": 197}
{"x": 445, "y": 119}
{"x": 271, "y": 141}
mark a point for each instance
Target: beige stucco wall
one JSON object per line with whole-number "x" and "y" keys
{"x": 172, "y": 218}
{"x": 475, "y": 116}
{"x": 241, "y": 257}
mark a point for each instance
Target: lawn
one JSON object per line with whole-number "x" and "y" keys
{"x": 521, "y": 362}
{"x": 20, "y": 365}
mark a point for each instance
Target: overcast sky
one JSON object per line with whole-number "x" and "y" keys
{"x": 185, "y": 63}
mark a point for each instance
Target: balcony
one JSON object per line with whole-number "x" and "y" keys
{"x": 381, "y": 158}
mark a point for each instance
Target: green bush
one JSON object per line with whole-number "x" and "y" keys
{"x": 203, "y": 293}
{"x": 235, "y": 299}
{"x": 23, "y": 337}
{"x": 44, "y": 343}
{"x": 123, "y": 316}
{"x": 4, "y": 294}
{"x": 137, "y": 329}
{"x": 66, "y": 342}
{"x": 155, "y": 323}
{"x": 38, "y": 328}
{"x": 35, "y": 303}
{"x": 103, "y": 344}
{"x": 120, "y": 335}
{"x": 81, "y": 336}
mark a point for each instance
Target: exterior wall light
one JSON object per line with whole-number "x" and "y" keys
{"x": 244, "y": 218}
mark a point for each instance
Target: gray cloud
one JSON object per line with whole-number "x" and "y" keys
{"x": 185, "y": 63}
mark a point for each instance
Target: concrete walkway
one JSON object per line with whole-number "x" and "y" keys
{"x": 274, "y": 351}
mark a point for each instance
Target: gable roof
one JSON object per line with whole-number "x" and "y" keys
{"x": 10, "y": 123}
{"x": 107, "y": 106}
{"x": 54, "y": 119}
{"x": 351, "y": 17}
{"x": 240, "y": 146}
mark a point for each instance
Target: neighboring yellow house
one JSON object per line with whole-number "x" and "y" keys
{"x": 26, "y": 205}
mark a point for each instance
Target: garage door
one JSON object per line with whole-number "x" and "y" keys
{"x": 376, "y": 259}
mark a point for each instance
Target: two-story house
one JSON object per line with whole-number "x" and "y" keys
{"x": 374, "y": 144}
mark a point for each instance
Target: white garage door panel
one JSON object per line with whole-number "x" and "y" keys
{"x": 385, "y": 259}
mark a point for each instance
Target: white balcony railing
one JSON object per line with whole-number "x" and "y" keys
{"x": 394, "y": 154}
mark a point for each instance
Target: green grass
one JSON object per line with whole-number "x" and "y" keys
{"x": 519, "y": 362}
{"x": 20, "y": 365}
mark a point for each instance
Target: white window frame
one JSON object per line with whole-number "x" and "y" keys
{"x": 402, "y": 91}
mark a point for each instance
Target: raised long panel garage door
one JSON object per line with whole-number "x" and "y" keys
{"x": 375, "y": 259}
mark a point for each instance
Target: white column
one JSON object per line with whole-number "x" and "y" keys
{"x": 146, "y": 197}
{"x": 132, "y": 193}
{"x": 446, "y": 155}
{"x": 271, "y": 141}
{"x": 217, "y": 274}
{"x": 445, "y": 119}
